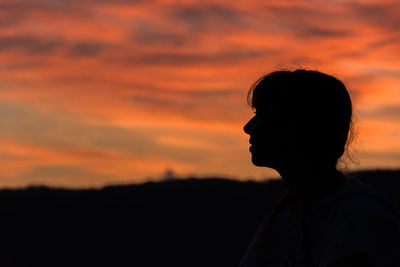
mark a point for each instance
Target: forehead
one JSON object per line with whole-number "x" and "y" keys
{"x": 268, "y": 99}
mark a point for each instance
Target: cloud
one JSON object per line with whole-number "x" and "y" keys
{"x": 375, "y": 160}
{"x": 311, "y": 31}
{"x": 34, "y": 45}
{"x": 16, "y": 13}
{"x": 7, "y": 156}
{"x": 149, "y": 34}
{"x": 192, "y": 58}
{"x": 31, "y": 5}
{"x": 379, "y": 72}
{"x": 383, "y": 155}
{"x": 207, "y": 16}
{"x": 88, "y": 48}
{"x": 307, "y": 22}
{"x": 188, "y": 99}
{"x": 65, "y": 176}
{"x": 38, "y": 45}
{"x": 384, "y": 112}
{"x": 383, "y": 15}
{"x": 59, "y": 4}
{"x": 65, "y": 131}
{"x": 195, "y": 105}
{"x": 29, "y": 44}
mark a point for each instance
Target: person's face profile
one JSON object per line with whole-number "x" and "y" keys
{"x": 267, "y": 137}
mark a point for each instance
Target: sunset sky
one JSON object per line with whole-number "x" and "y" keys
{"x": 106, "y": 92}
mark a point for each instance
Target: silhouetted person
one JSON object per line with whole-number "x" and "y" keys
{"x": 302, "y": 122}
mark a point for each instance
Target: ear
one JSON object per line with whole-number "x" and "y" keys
{"x": 293, "y": 134}
{"x": 299, "y": 142}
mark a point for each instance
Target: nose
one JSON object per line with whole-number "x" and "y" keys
{"x": 247, "y": 127}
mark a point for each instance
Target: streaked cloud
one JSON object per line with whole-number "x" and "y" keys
{"x": 28, "y": 44}
{"x": 384, "y": 113}
{"x": 64, "y": 176}
{"x": 208, "y": 16}
{"x": 182, "y": 59}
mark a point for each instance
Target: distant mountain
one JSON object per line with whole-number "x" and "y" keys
{"x": 188, "y": 222}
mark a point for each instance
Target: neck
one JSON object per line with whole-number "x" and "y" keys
{"x": 312, "y": 183}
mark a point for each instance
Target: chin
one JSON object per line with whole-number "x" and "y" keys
{"x": 260, "y": 162}
{"x": 265, "y": 159}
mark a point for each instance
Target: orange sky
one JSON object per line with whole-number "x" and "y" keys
{"x": 102, "y": 92}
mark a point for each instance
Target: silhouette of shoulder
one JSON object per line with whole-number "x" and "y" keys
{"x": 357, "y": 220}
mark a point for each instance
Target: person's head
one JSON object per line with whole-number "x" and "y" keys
{"x": 302, "y": 120}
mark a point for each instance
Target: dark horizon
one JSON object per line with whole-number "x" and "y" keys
{"x": 168, "y": 223}
{"x": 165, "y": 179}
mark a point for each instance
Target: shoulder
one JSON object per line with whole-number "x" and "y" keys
{"x": 366, "y": 211}
{"x": 365, "y": 222}
{"x": 361, "y": 203}
{"x": 355, "y": 198}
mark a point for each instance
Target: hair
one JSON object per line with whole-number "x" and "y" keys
{"x": 318, "y": 102}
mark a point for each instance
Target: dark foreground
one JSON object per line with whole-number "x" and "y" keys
{"x": 191, "y": 222}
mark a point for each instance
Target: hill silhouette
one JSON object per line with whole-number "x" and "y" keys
{"x": 188, "y": 222}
